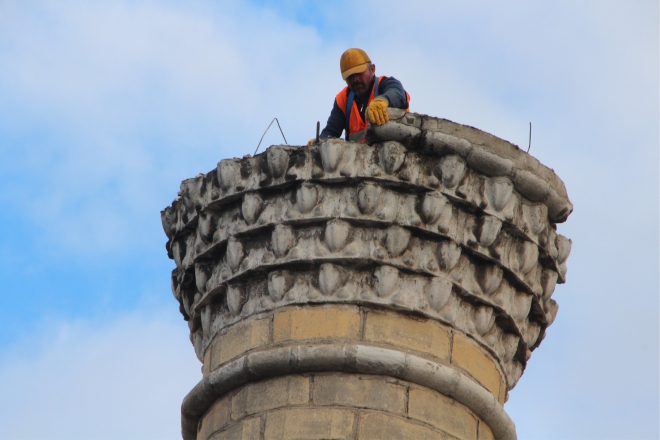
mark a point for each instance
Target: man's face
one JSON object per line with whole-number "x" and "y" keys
{"x": 359, "y": 82}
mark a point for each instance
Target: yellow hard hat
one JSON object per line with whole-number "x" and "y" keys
{"x": 353, "y": 61}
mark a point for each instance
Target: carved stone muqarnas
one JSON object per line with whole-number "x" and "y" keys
{"x": 350, "y": 290}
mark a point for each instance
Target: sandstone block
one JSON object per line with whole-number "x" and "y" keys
{"x": 381, "y": 426}
{"x": 360, "y": 391}
{"x": 249, "y": 429}
{"x": 472, "y": 359}
{"x": 246, "y": 335}
{"x": 215, "y": 419}
{"x": 269, "y": 394}
{"x": 314, "y": 323}
{"x": 484, "y": 432}
{"x": 308, "y": 423}
{"x": 442, "y": 413}
{"x": 425, "y": 336}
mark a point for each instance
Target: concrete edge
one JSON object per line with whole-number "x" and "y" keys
{"x": 346, "y": 358}
{"x": 531, "y": 178}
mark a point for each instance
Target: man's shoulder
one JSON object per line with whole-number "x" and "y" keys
{"x": 389, "y": 83}
{"x": 386, "y": 79}
{"x": 342, "y": 96}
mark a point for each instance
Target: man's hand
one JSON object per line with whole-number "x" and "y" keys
{"x": 312, "y": 141}
{"x": 377, "y": 111}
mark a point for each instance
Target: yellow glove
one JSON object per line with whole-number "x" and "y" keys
{"x": 311, "y": 141}
{"x": 377, "y": 111}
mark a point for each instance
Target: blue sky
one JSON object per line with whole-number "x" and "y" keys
{"x": 106, "y": 106}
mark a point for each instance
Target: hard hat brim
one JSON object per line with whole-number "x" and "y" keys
{"x": 353, "y": 70}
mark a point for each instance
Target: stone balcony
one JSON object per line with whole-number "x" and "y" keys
{"x": 348, "y": 290}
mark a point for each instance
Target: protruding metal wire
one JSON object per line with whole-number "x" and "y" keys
{"x": 262, "y": 136}
{"x": 530, "y": 137}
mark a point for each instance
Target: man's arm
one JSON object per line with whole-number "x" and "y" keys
{"x": 391, "y": 89}
{"x": 335, "y": 124}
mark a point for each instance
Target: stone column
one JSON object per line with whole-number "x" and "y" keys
{"x": 345, "y": 290}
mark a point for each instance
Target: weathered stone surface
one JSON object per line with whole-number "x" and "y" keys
{"x": 308, "y": 423}
{"x": 275, "y": 393}
{"x": 442, "y": 413}
{"x": 316, "y": 324}
{"x": 425, "y": 336}
{"x": 473, "y": 360}
{"x": 484, "y": 432}
{"x": 239, "y": 339}
{"x": 372, "y": 392}
{"x": 216, "y": 418}
{"x": 386, "y": 427}
{"x": 246, "y": 430}
{"x": 438, "y": 240}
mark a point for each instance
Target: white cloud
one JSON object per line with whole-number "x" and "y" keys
{"x": 123, "y": 377}
{"x": 133, "y": 98}
{"x": 114, "y": 103}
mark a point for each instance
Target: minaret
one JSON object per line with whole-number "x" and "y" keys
{"x": 394, "y": 289}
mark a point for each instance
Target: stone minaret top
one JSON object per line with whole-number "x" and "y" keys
{"x": 347, "y": 290}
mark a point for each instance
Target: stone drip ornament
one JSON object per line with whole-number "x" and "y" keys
{"x": 425, "y": 260}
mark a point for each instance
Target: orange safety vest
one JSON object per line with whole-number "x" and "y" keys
{"x": 356, "y": 128}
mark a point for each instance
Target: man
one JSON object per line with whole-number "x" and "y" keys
{"x": 366, "y": 97}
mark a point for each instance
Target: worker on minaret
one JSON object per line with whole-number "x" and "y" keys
{"x": 366, "y": 96}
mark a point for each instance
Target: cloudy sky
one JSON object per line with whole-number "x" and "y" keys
{"x": 105, "y": 106}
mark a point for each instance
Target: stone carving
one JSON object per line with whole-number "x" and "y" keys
{"x": 234, "y": 254}
{"x": 278, "y": 161}
{"x": 201, "y": 277}
{"x": 438, "y": 293}
{"x": 549, "y": 280}
{"x": 483, "y": 319}
{"x": 331, "y": 155}
{"x": 396, "y": 240}
{"x": 329, "y": 279}
{"x": 282, "y": 240}
{"x": 336, "y": 234}
{"x": 434, "y": 218}
{"x": 432, "y": 208}
{"x": 453, "y": 170}
{"x": 498, "y": 192}
{"x": 391, "y": 156}
{"x": 448, "y": 255}
{"x": 488, "y": 229}
{"x": 368, "y": 197}
{"x": 307, "y": 197}
{"x": 236, "y": 298}
{"x": 251, "y": 207}
{"x": 387, "y": 278}
{"x": 278, "y": 284}
{"x": 489, "y": 277}
{"x": 229, "y": 174}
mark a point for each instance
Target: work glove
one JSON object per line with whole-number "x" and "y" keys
{"x": 377, "y": 111}
{"x": 311, "y": 141}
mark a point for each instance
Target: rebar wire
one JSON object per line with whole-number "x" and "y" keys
{"x": 530, "y": 137}
{"x": 262, "y": 136}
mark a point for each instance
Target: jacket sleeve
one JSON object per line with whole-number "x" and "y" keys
{"x": 392, "y": 89}
{"x": 335, "y": 124}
